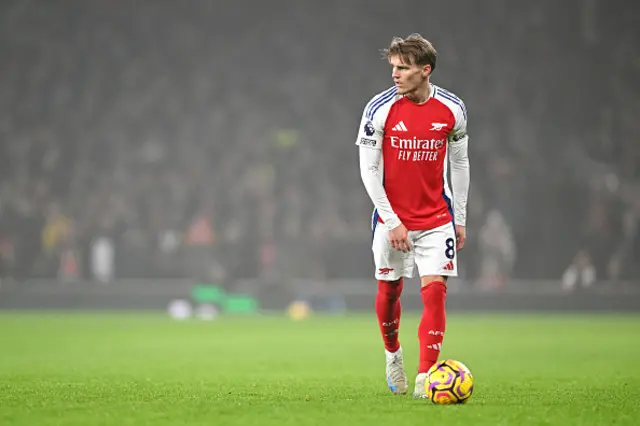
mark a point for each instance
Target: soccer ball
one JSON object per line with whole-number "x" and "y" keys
{"x": 449, "y": 382}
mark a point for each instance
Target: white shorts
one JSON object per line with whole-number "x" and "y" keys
{"x": 433, "y": 251}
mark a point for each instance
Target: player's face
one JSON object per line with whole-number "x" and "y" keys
{"x": 406, "y": 76}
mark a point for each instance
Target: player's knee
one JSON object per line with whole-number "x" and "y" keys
{"x": 393, "y": 282}
{"x": 430, "y": 279}
{"x": 434, "y": 292}
{"x": 391, "y": 289}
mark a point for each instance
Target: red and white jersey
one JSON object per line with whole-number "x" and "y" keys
{"x": 414, "y": 140}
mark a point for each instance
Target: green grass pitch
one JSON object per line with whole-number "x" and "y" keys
{"x": 130, "y": 369}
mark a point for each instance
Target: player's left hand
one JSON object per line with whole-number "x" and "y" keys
{"x": 461, "y": 237}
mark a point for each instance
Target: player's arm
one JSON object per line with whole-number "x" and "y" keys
{"x": 370, "y": 160}
{"x": 369, "y": 140}
{"x": 460, "y": 172}
{"x": 370, "y": 136}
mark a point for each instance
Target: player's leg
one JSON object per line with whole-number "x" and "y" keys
{"x": 431, "y": 328}
{"x": 433, "y": 321}
{"x": 388, "y": 311}
{"x": 391, "y": 268}
{"x": 436, "y": 260}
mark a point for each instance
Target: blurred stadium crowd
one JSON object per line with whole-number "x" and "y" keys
{"x": 200, "y": 140}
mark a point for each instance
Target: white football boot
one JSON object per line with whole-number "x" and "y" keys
{"x": 420, "y": 390}
{"x": 396, "y": 377}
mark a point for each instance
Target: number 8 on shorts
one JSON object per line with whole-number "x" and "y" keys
{"x": 434, "y": 253}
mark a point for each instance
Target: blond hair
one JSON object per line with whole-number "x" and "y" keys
{"x": 414, "y": 49}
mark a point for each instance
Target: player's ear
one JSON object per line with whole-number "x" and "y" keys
{"x": 426, "y": 70}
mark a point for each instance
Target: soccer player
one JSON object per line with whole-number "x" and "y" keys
{"x": 408, "y": 135}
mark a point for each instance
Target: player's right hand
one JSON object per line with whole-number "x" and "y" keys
{"x": 399, "y": 239}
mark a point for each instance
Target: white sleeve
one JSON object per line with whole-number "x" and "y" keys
{"x": 460, "y": 170}
{"x": 370, "y": 160}
{"x": 371, "y": 132}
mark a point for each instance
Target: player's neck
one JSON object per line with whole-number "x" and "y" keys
{"x": 421, "y": 94}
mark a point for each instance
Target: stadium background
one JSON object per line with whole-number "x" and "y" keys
{"x": 210, "y": 144}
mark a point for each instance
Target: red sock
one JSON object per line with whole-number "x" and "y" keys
{"x": 432, "y": 324}
{"x": 388, "y": 310}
